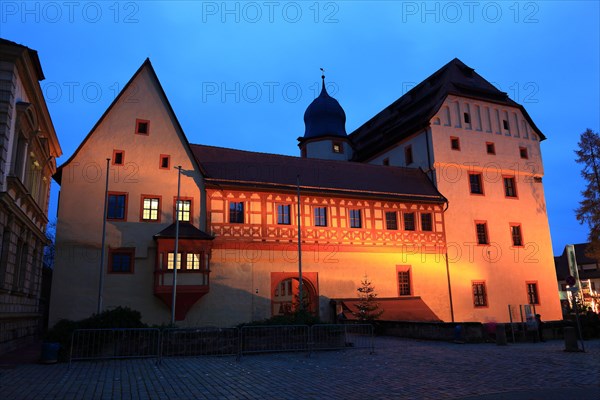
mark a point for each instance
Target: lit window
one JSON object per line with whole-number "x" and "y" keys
{"x": 490, "y": 148}
{"x": 426, "y": 222}
{"x": 523, "y": 152}
{"x": 532, "y": 293}
{"x": 404, "y": 283}
{"x": 150, "y": 209}
{"x": 121, "y": 260}
{"x": 118, "y": 157}
{"x": 142, "y": 127}
{"x": 510, "y": 189}
{"x": 171, "y": 260}
{"x": 475, "y": 183}
{"x": 409, "y": 221}
{"x": 517, "y": 238}
{"x": 116, "y": 208}
{"x": 185, "y": 210}
{"x": 355, "y": 219}
{"x": 338, "y": 147}
{"x": 479, "y": 294}
{"x": 408, "y": 155}
{"x": 391, "y": 220}
{"x": 192, "y": 261}
{"x": 165, "y": 161}
{"x": 467, "y": 118}
{"x": 236, "y": 212}
{"x": 283, "y": 214}
{"x": 454, "y": 143}
{"x": 482, "y": 236}
{"x": 320, "y": 216}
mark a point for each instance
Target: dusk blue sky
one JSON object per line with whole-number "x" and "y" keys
{"x": 241, "y": 74}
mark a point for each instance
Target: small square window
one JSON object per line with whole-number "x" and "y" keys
{"x": 142, "y": 127}
{"x": 467, "y": 118}
{"x": 454, "y": 143}
{"x": 118, "y": 157}
{"x": 165, "y": 161}
{"x": 523, "y": 152}
{"x": 121, "y": 260}
{"x": 505, "y": 124}
{"x": 386, "y": 161}
{"x": 490, "y": 148}
{"x": 337, "y": 147}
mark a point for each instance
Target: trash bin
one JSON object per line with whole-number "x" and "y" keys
{"x": 50, "y": 353}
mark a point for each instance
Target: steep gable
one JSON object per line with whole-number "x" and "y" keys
{"x": 413, "y": 111}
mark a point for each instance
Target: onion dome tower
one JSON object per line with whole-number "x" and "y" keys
{"x": 325, "y": 129}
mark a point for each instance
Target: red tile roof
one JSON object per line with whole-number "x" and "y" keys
{"x": 230, "y": 167}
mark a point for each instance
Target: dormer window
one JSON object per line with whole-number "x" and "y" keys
{"x": 142, "y": 127}
{"x": 337, "y": 147}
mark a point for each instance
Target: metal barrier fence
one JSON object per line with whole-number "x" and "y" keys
{"x": 98, "y": 344}
{"x": 335, "y": 337}
{"x": 199, "y": 342}
{"x": 278, "y": 338}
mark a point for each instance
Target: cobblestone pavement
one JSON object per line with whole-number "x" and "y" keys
{"x": 399, "y": 369}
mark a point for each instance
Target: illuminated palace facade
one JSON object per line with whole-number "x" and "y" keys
{"x": 438, "y": 200}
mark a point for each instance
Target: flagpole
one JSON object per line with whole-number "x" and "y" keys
{"x": 104, "y": 212}
{"x": 299, "y": 246}
{"x": 174, "y": 298}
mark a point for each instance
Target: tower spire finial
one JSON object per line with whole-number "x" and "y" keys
{"x": 323, "y": 78}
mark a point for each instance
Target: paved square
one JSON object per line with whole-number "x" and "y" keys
{"x": 399, "y": 369}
